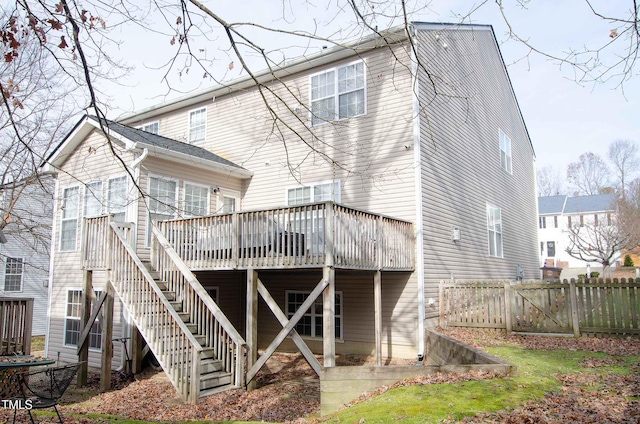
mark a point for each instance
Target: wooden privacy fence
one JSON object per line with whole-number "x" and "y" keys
{"x": 576, "y": 307}
{"x": 16, "y": 317}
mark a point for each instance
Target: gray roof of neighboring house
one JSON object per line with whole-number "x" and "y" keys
{"x": 579, "y": 204}
{"x": 140, "y": 136}
{"x": 551, "y": 204}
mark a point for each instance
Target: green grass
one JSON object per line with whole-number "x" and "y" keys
{"x": 37, "y": 343}
{"x": 435, "y": 403}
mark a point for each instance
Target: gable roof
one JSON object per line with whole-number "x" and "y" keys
{"x": 155, "y": 144}
{"x": 563, "y": 204}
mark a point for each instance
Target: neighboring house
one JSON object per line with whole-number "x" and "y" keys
{"x": 556, "y": 214}
{"x": 24, "y": 258}
{"x": 368, "y": 189}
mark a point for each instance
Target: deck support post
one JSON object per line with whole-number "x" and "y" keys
{"x": 329, "y": 317}
{"x": 107, "y": 336}
{"x": 83, "y": 355}
{"x": 252, "y": 323}
{"x": 377, "y": 307}
{"x": 136, "y": 349}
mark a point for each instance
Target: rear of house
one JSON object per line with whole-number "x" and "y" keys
{"x": 355, "y": 179}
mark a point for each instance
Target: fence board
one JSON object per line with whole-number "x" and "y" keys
{"x": 587, "y": 306}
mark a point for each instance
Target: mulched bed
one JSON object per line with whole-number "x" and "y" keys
{"x": 289, "y": 391}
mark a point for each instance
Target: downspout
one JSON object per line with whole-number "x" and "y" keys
{"x": 417, "y": 157}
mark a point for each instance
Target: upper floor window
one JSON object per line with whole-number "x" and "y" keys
{"x": 505, "y": 152}
{"x": 197, "y": 125}
{"x": 162, "y": 201}
{"x": 338, "y": 93}
{"x": 69, "y": 224}
{"x": 196, "y": 199}
{"x": 93, "y": 199}
{"x": 320, "y": 192}
{"x": 13, "y": 275}
{"x": 543, "y": 222}
{"x": 117, "y": 198}
{"x": 494, "y": 229}
{"x": 151, "y": 127}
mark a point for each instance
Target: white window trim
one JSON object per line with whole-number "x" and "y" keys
{"x": 125, "y": 208}
{"x": 99, "y": 197}
{"x": 175, "y": 213}
{"x": 184, "y": 197}
{"x": 502, "y": 134}
{"x": 4, "y": 280}
{"x": 189, "y": 125}
{"x": 66, "y": 305}
{"x": 225, "y": 192}
{"x": 62, "y": 219}
{"x": 490, "y": 206}
{"x": 336, "y": 95}
{"x": 147, "y": 124}
{"x": 336, "y": 197}
{"x": 339, "y": 313}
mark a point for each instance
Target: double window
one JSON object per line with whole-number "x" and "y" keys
{"x": 320, "y": 192}
{"x": 311, "y": 323}
{"x": 73, "y": 322}
{"x": 338, "y": 93}
{"x": 494, "y": 229}
{"x": 197, "y": 125}
{"x": 93, "y": 199}
{"x": 69, "y": 224}
{"x": 505, "y": 152}
{"x": 13, "y": 275}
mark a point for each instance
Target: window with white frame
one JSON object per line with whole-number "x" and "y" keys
{"x": 494, "y": 227}
{"x": 93, "y": 199}
{"x": 151, "y": 127}
{"x": 162, "y": 201}
{"x": 229, "y": 204}
{"x": 319, "y": 192}
{"x": 505, "y": 152}
{"x": 338, "y": 93}
{"x": 73, "y": 322}
{"x": 13, "y": 275}
{"x": 311, "y": 323}
{"x": 543, "y": 222}
{"x": 197, "y": 125}
{"x": 196, "y": 199}
{"x": 117, "y": 198}
{"x": 69, "y": 223}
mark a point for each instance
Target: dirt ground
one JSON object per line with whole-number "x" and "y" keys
{"x": 289, "y": 391}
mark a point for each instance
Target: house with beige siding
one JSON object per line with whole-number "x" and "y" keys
{"x": 314, "y": 207}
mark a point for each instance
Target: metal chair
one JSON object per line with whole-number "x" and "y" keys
{"x": 44, "y": 388}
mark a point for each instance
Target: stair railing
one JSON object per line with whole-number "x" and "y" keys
{"x": 210, "y": 321}
{"x": 174, "y": 346}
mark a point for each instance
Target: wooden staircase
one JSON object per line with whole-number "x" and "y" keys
{"x": 194, "y": 342}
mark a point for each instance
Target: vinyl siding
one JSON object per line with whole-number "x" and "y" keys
{"x": 461, "y": 170}
{"x": 28, "y": 238}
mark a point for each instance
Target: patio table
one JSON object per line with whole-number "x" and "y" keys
{"x": 13, "y": 366}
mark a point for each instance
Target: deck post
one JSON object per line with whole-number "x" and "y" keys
{"x": 377, "y": 302}
{"x": 252, "y": 322}
{"x": 329, "y": 317}
{"x": 83, "y": 355}
{"x": 107, "y": 336}
{"x": 136, "y": 349}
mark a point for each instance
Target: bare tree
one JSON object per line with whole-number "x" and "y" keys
{"x": 549, "y": 181}
{"x": 625, "y": 157}
{"x": 589, "y": 175}
{"x": 597, "y": 241}
{"x": 629, "y": 213}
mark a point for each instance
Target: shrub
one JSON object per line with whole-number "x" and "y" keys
{"x": 582, "y": 276}
{"x": 595, "y": 274}
{"x": 627, "y": 261}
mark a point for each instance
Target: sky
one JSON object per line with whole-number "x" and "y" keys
{"x": 564, "y": 118}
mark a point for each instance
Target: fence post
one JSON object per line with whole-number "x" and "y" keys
{"x": 573, "y": 297}
{"x": 507, "y": 306}
{"x": 441, "y": 303}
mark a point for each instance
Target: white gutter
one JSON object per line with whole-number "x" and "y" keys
{"x": 51, "y": 258}
{"x": 418, "y": 199}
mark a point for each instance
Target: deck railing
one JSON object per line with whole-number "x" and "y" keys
{"x": 293, "y": 237}
{"x": 16, "y": 316}
{"x": 210, "y": 322}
